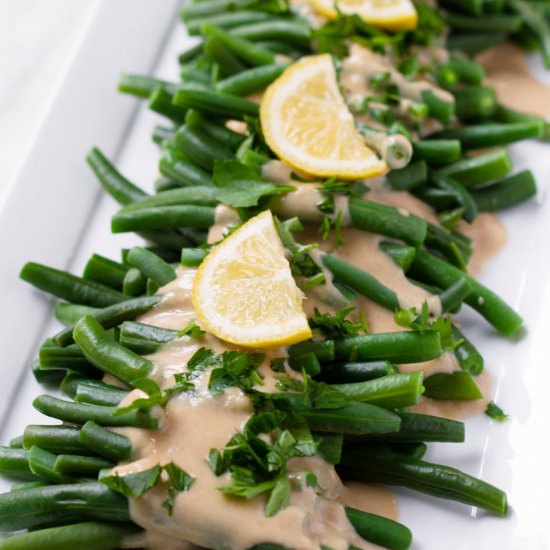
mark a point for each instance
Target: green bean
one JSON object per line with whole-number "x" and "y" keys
{"x": 438, "y": 199}
{"x": 223, "y": 61}
{"x": 166, "y": 184}
{"x": 419, "y": 427}
{"x": 68, "y": 314}
{"x": 361, "y": 281}
{"x": 307, "y": 362}
{"x": 94, "y": 535}
{"x": 452, "y": 297}
{"x": 52, "y": 356}
{"x": 107, "y": 355}
{"x": 122, "y": 190}
{"x": 380, "y": 530}
{"x": 192, "y": 257}
{"x": 391, "y": 392}
{"x": 69, "y": 287}
{"x": 401, "y": 255}
{"x": 16, "y": 442}
{"x": 56, "y": 439}
{"x": 80, "y": 413}
{"x": 342, "y": 373}
{"x": 251, "y": 80}
{"x": 142, "y": 85}
{"x": 161, "y": 134}
{"x": 355, "y": 418}
{"x": 98, "y": 393}
{"x": 61, "y": 504}
{"x": 474, "y": 43}
{"x": 105, "y": 271}
{"x": 191, "y": 53}
{"x": 442, "y": 481}
{"x": 28, "y": 485}
{"x": 199, "y": 146}
{"x": 396, "y": 347}
{"x": 215, "y": 103}
{"x": 46, "y": 376}
{"x": 386, "y": 220}
{"x": 292, "y": 32}
{"x": 462, "y": 196}
{"x": 487, "y": 23}
{"x": 437, "y": 151}
{"x": 449, "y": 244}
{"x": 176, "y": 165}
{"x": 144, "y": 339}
{"x": 134, "y": 283}
{"x": 243, "y": 49}
{"x": 413, "y": 175}
{"x": 227, "y": 20}
{"x": 438, "y": 108}
{"x": 160, "y": 102}
{"x": 193, "y": 75}
{"x": 324, "y": 351}
{"x": 475, "y": 102}
{"x": 109, "y": 444}
{"x": 473, "y": 7}
{"x": 468, "y": 357}
{"x": 192, "y": 11}
{"x": 151, "y": 265}
{"x": 446, "y": 76}
{"x": 15, "y": 463}
{"x": 215, "y": 129}
{"x": 112, "y": 316}
{"x": 505, "y": 114}
{"x": 428, "y": 267}
{"x": 490, "y": 135}
{"x": 157, "y": 217}
{"x": 42, "y": 463}
{"x": 506, "y": 192}
{"x": 454, "y": 385}
{"x": 84, "y": 465}
{"x": 479, "y": 169}
{"x": 468, "y": 70}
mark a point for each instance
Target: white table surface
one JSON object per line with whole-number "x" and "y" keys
{"x": 37, "y": 42}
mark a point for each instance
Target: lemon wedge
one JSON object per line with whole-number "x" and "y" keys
{"x": 392, "y": 15}
{"x": 244, "y": 292}
{"x": 308, "y": 125}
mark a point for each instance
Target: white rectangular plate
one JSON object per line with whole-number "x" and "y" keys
{"x": 57, "y": 215}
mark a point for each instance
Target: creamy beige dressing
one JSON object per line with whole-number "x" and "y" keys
{"x": 195, "y": 422}
{"x": 507, "y": 72}
{"x": 362, "y": 64}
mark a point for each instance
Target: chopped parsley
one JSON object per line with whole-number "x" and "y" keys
{"x": 334, "y": 327}
{"x": 495, "y": 412}
{"x": 242, "y": 187}
{"x": 193, "y": 330}
{"x": 421, "y": 322}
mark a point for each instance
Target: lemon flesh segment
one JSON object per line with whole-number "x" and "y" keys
{"x": 306, "y": 122}
{"x": 244, "y": 292}
{"x": 392, "y": 15}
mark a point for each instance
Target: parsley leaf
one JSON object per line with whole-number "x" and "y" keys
{"x": 329, "y": 224}
{"x": 235, "y": 370}
{"x": 495, "y": 412}
{"x": 301, "y": 262}
{"x": 193, "y": 330}
{"x": 242, "y": 187}
{"x": 421, "y": 322}
{"x": 134, "y": 485}
{"x": 180, "y": 481}
{"x": 334, "y": 327}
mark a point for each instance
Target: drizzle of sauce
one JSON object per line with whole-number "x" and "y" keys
{"x": 507, "y": 72}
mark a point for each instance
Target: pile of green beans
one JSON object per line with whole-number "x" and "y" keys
{"x": 59, "y": 498}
